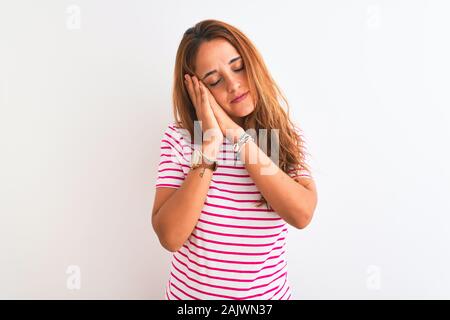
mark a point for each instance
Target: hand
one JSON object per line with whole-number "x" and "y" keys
{"x": 227, "y": 125}
{"x": 199, "y": 98}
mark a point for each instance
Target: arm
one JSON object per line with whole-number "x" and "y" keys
{"x": 293, "y": 199}
{"x": 176, "y": 211}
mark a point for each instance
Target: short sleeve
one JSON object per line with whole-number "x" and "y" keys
{"x": 173, "y": 165}
{"x": 300, "y": 172}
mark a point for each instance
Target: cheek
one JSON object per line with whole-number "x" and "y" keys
{"x": 221, "y": 97}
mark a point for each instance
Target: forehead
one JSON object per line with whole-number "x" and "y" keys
{"x": 212, "y": 54}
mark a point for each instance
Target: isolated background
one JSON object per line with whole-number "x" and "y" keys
{"x": 85, "y": 95}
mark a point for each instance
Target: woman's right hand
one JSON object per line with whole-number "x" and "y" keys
{"x": 213, "y": 136}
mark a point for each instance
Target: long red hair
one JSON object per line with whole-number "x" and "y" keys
{"x": 270, "y": 103}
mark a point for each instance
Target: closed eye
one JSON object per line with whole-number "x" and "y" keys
{"x": 217, "y": 82}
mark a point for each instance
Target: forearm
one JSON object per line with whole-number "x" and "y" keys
{"x": 176, "y": 219}
{"x": 292, "y": 201}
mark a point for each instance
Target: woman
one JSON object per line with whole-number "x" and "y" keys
{"x": 208, "y": 211}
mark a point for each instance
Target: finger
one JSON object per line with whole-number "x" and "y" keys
{"x": 190, "y": 89}
{"x": 209, "y": 94}
{"x": 212, "y": 100}
{"x": 203, "y": 93}
{"x": 196, "y": 88}
{"x": 187, "y": 83}
{"x": 206, "y": 105}
{"x": 206, "y": 94}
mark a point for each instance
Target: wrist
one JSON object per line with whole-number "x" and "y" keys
{"x": 240, "y": 144}
{"x": 236, "y": 134}
{"x": 201, "y": 160}
{"x": 210, "y": 151}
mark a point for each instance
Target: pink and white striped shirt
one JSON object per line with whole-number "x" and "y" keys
{"x": 237, "y": 250}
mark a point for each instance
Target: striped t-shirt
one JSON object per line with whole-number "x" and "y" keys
{"x": 237, "y": 250}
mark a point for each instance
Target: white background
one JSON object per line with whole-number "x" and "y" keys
{"x": 85, "y": 95}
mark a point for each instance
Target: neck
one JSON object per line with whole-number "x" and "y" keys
{"x": 239, "y": 121}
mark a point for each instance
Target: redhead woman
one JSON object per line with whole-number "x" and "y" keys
{"x": 223, "y": 201}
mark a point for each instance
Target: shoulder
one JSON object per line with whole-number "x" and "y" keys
{"x": 177, "y": 137}
{"x": 175, "y": 132}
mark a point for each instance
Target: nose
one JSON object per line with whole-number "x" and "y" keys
{"x": 233, "y": 84}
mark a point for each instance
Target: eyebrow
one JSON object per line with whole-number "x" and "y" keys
{"x": 214, "y": 71}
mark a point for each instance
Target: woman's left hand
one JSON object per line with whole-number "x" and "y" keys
{"x": 226, "y": 124}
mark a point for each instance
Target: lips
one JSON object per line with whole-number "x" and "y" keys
{"x": 239, "y": 98}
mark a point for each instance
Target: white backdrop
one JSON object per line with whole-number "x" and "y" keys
{"x": 85, "y": 97}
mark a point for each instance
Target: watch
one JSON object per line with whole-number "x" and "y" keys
{"x": 200, "y": 160}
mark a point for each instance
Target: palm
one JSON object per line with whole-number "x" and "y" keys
{"x": 224, "y": 120}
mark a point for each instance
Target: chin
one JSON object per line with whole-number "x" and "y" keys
{"x": 241, "y": 111}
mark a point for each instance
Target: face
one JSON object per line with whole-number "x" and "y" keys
{"x": 220, "y": 67}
